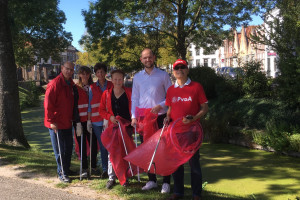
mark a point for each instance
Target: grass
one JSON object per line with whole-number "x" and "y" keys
{"x": 231, "y": 172}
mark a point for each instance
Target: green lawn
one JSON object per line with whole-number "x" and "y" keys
{"x": 231, "y": 172}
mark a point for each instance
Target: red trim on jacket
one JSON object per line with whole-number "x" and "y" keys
{"x": 83, "y": 104}
{"x": 95, "y": 102}
{"x": 105, "y": 106}
{"x": 59, "y": 103}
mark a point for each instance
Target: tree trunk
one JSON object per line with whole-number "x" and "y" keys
{"x": 11, "y": 130}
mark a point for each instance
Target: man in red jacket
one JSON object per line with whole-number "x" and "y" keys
{"x": 58, "y": 104}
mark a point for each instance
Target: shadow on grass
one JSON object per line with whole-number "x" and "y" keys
{"x": 32, "y": 161}
{"x": 36, "y": 133}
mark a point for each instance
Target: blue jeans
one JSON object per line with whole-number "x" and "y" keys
{"x": 196, "y": 177}
{"x": 66, "y": 147}
{"x": 104, "y": 154}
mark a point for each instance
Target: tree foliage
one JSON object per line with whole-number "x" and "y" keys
{"x": 170, "y": 24}
{"x": 37, "y": 30}
{"x": 283, "y": 37}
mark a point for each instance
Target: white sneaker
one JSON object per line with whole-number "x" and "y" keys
{"x": 165, "y": 188}
{"x": 149, "y": 185}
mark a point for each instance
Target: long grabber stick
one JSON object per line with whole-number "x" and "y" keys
{"x": 151, "y": 162}
{"x": 91, "y": 138}
{"x": 125, "y": 147}
{"x": 81, "y": 144}
{"x": 61, "y": 162}
{"x": 135, "y": 137}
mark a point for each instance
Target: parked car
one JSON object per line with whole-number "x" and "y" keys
{"x": 233, "y": 72}
{"x": 221, "y": 70}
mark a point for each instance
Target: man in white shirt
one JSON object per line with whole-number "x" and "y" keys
{"x": 149, "y": 91}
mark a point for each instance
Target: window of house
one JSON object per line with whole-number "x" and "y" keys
{"x": 197, "y": 62}
{"x": 205, "y": 61}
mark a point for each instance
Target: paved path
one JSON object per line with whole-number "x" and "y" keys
{"x": 18, "y": 189}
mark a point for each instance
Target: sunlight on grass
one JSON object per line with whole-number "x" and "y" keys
{"x": 231, "y": 172}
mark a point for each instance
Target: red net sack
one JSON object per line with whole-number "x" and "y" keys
{"x": 112, "y": 140}
{"x": 146, "y": 122}
{"x": 177, "y": 145}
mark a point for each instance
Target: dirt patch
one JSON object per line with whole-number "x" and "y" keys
{"x": 79, "y": 189}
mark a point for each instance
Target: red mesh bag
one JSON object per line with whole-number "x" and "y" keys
{"x": 112, "y": 140}
{"x": 146, "y": 122}
{"x": 177, "y": 145}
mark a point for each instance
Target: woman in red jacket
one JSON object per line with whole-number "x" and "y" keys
{"x": 81, "y": 102}
{"x": 115, "y": 102}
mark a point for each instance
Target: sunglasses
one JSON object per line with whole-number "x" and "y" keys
{"x": 180, "y": 67}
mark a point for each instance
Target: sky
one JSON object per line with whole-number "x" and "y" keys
{"x": 75, "y": 21}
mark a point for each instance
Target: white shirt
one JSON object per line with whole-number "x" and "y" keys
{"x": 149, "y": 90}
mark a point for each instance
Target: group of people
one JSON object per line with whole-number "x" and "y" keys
{"x": 90, "y": 107}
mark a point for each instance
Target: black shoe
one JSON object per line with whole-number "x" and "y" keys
{"x": 104, "y": 175}
{"x": 126, "y": 184}
{"x": 95, "y": 171}
{"x": 110, "y": 184}
{"x": 84, "y": 173}
{"x": 175, "y": 197}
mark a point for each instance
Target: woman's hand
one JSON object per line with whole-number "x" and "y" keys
{"x": 113, "y": 119}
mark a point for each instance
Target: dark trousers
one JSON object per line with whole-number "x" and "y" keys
{"x": 86, "y": 137}
{"x": 66, "y": 147}
{"x": 97, "y": 130}
{"x": 196, "y": 177}
{"x": 152, "y": 177}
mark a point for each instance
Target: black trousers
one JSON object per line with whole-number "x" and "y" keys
{"x": 93, "y": 153}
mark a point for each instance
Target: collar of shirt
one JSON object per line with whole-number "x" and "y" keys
{"x": 104, "y": 86}
{"x": 152, "y": 72}
{"x": 181, "y": 86}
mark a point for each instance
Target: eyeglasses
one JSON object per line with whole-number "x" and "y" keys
{"x": 180, "y": 67}
{"x": 69, "y": 69}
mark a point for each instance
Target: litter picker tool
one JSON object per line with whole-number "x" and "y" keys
{"x": 81, "y": 142}
{"x": 151, "y": 162}
{"x": 125, "y": 147}
{"x": 61, "y": 162}
{"x": 91, "y": 138}
{"x": 135, "y": 137}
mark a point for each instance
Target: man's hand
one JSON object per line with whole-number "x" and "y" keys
{"x": 188, "y": 119}
{"x": 156, "y": 109}
{"x": 54, "y": 127}
{"x": 167, "y": 120}
{"x": 133, "y": 122}
{"x": 78, "y": 129}
{"x": 89, "y": 126}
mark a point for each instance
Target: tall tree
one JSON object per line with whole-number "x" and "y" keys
{"x": 11, "y": 130}
{"x": 37, "y": 30}
{"x": 281, "y": 32}
{"x": 181, "y": 21}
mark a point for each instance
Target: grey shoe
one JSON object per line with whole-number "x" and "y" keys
{"x": 110, "y": 184}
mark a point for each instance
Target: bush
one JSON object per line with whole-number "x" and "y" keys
{"x": 208, "y": 79}
{"x": 29, "y": 95}
{"x": 255, "y": 83}
{"x": 295, "y": 142}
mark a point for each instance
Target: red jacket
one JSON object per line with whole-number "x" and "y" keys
{"x": 95, "y": 102}
{"x": 105, "y": 106}
{"x": 59, "y": 102}
{"x": 83, "y": 104}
